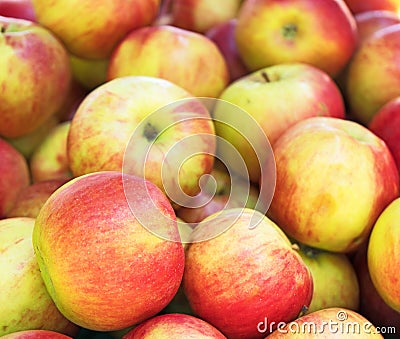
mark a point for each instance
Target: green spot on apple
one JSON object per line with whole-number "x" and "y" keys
{"x": 289, "y": 31}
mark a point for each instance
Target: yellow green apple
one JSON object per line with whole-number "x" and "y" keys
{"x": 90, "y": 73}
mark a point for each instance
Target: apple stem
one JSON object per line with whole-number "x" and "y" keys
{"x": 2, "y": 29}
{"x": 265, "y": 76}
{"x": 150, "y": 132}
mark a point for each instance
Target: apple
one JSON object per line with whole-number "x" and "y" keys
{"x": 240, "y": 268}
{"x": 31, "y": 199}
{"x": 35, "y": 76}
{"x": 145, "y": 126}
{"x": 49, "y": 159}
{"x": 21, "y": 9}
{"x": 332, "y": 322}
{"x": 102, "y": 266}
{"x": 14, "y": 176}
{"x": 36, "y": 334}
{"x": 90, "y": 30}
{"x": 359, "y": 6}
{"x": 187, "y": 59}
{"x": 334, "y": 178}
{"x": 383, "y": 255}
{"x": 270, "y": 32}
{"x": 373, "y": 75}
{"x": 25, "y": 302}
{"x": 276, "y": 97}
{"x": 386, "y": 125}
{"x": 88, "y": 72}
{"x": 223, "y": 36}
{"x": 334, "y": 277}
{"x": 201, "y": 15}
{"x": 175, "y": 326}
{"x": 372, "y": 305}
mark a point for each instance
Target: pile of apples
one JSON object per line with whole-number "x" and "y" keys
{"x": 199, "y": 168}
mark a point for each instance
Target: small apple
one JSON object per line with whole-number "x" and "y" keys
{"x": 383, "y": 255}
{"x": 102, "y": 266}
{"x": 36, "y": 334}
{"x": 174, "y": 325}
{"x": 88, "y": 72}
{"x": 50, "y": 160}
{"x": 386, "y": 125}
{"x": 14, "y": 177}
{"x": 332, "y": 322}
{"x": 35, "y": 76}
{"x": 20, "y": 9}
{"x": 335, "y": 280}
{"x": 91, "y": 30}
{"x": 373, "y": 75}
{"x": 270, "y": 32}
{"x": 359, "y": 6}
{"x": 157, "y": 51}
{"x": 201, "y": 15}
{"x": 25, "y": 302}
{"x": 240, "y": 268}
{"x": 223, "y": 36}
{"x": 334, "y": 178}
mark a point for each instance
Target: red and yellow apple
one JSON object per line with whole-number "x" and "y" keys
{"x": 102, "y": 266}
{"x": 187, "y": 59}
{"x": 321, "y": 33}
{"x": 359, "y": 6}
{"x": 36, "y": 334}
{"x": 35, "y": 76}
{"x": 21, "y": 9}
{"x": 334, "y": 178}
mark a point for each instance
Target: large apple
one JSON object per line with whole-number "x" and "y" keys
{"x": 145, "y": 126}
{"x": 223, "y": 35}
{"x": 373, "y": 75}
{"x": 383, "y": 255}
{"x": 25, "y": 302}
{"x": 201, "y": 15}
{"x": 334, "y": 178}
{"x": 102, "y": 266}
{"x": 386, "y": 125}
{"x": 36, "y": 334}
{"x": 359, "y": 6}
{"x": 276, "y": 97}
{"x": 177, "y": 326}
{"x": 14, "y": 176}
{"x": 269, "y": 32}
{"x": 186, "y": 58}
{"x": 21, "y": 9}
{"x": 335, "y": 280}
{"x": 241, "y": 268}
{"x": 91, "y": 30}
{"x": 35, "y": 76}
{"x": 333, "y": 322}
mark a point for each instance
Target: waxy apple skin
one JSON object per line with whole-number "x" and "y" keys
{"x": 102, "y": 266}
{"x": 334, "y": 178}
{"x": 360, "y": 6}
{"x": 35, "y": 76}
{"x": 244, "y": 274}
{"x": 36, "y": 334}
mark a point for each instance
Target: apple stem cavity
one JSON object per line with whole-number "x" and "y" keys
{"x": 289, "y": 31}
{"x": 150, "y": 132}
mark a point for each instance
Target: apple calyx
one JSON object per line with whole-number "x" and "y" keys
{"x": 150, "y": 132}
{"x": 289, "y": 31}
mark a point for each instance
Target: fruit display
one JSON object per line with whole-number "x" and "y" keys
{"x": 177, "y": 169}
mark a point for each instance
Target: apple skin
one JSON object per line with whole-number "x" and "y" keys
{"x": 372, "y": 305}
{"x": 335, "y": 280}
{"x": 99, "y": 140}
{"x": 226, "y": 281}
{"x": 223, "y": 36}
{"x": 36, "y": 334}
{"x": 35, "y": 76}
{"x": 115, "y": 273}
{"x": 373, "y": 74}
{"x": 88, "y": 72}
{"x": 359, "y": 6}
{"x": 175, "y": 326}
{"x": 201, "y": 15}
{"x": 386, "y": 125}
{"x": 383, "y": 255}
{"x": 331, "y": 173}
{"x": 31, "y": 199}
{"x": 275, "y": 31}
{"x": 157, "y": 50}
{"x": 328, "y": 323}
{"x": 277, "y": 97}
{"x": 50, "y": 160}
{"x": 25, "y": 301}
{"x": 90, "y": 30}
{"x": 14, "y": 177}
{"x": 21, "y": 9}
